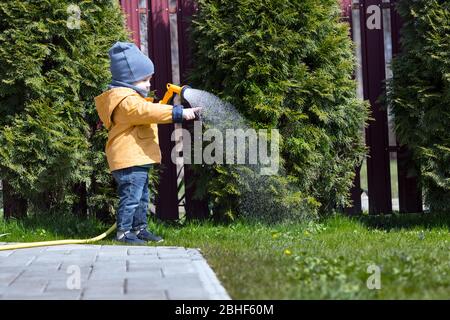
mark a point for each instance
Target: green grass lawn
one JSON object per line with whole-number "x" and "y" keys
{"x": 327, "y": 259}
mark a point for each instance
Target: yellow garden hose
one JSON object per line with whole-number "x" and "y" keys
{"x": 57, "y": 242}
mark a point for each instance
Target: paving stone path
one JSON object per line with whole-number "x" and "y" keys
{"x": 107, "y": 272}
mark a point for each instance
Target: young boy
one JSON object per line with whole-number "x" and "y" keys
{"x": 132, "y": 145}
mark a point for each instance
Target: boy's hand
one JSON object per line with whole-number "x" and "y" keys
{"x": 190, "y": 113}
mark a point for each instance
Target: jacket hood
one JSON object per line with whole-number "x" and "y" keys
{"x": 106, "y": 102}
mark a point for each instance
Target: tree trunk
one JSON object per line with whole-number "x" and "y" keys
{"x": 196, "y": 209}
{"x": 13, "y": 205}
{"x": 102, "y": 213}
{"x": 80, "y": 207}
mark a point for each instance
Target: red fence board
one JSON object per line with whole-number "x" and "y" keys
{"x": 131, "y": 10}
{"x": 409, "y": 192}
{"x": 355, "y": 191}
{"x": 195, "y": 208}
{"x": 159, "y": 51}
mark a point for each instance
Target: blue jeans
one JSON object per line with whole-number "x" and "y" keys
{"x": 133, "y": 192}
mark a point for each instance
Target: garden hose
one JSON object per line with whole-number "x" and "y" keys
{"x": 57, "y": 242}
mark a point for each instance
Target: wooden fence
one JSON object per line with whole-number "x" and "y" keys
{"x": 375, "y": 29}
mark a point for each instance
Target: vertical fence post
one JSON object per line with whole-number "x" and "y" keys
{"x": 195, "y": 208}
{"x": 355, "y": 191}
{"x": 409, "y": 192}
{"x": 131, "y": 10}
{"x": 159, "y": 51}
{"x": 378, "y": 165}
{"x": 186, "y": 9}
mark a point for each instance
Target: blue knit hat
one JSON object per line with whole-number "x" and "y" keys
{"x": 128, "y": 63}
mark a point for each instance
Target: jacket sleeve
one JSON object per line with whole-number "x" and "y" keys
{"x": 138, "y": 111}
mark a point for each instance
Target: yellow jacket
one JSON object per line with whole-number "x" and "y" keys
{"x": 131, "y": 121}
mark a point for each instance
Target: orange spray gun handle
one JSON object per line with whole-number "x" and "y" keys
{"x": 171, "y": 90}
{"x": 174, "y": 89}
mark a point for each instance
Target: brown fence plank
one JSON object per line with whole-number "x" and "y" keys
{"x": 131, "y": 10}
{"x": 159, "y": 51}
{"x": 355, "y": 191}
{"x": 195, "y": 208}
{"x": 409, "y": 192}
{"x": 378, "y": 168}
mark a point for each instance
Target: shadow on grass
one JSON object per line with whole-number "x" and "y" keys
{"x": 406, "y": 221}
{"x": 383, "y": 222}
{"x": 61, "y": 226}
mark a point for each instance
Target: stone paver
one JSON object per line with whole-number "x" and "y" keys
{"x": 86, "y": 272}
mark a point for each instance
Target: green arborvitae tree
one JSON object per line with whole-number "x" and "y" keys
{"x": 420, "y": 94}
{"x": 53, "y": 62}
{"x": 285, "y": 65}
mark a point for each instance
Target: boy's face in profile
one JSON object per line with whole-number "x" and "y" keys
{"x": 144, "y": 84}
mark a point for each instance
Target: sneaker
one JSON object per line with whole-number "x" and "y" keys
{"x": 146, "y": 235}
{"x": 130, "y": 238}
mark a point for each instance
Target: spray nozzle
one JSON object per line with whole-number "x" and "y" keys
{"x": 174, "y": 89}
{"x": 171, "y": 90}
{"x": 183, "y": 90}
